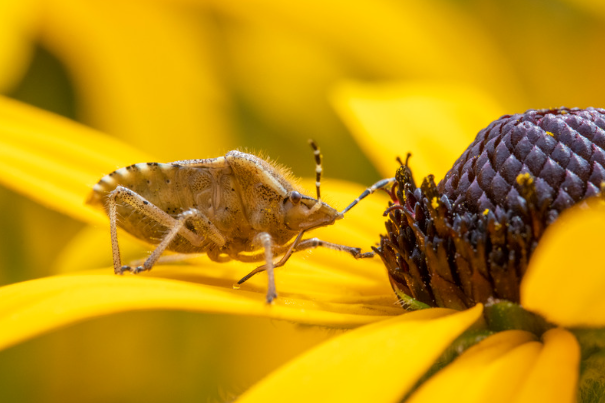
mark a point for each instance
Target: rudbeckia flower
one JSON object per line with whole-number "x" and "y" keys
{"x": 503, "y": 352}
{"x": 212, "y": 69}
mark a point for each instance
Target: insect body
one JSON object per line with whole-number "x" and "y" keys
{"x": 237, "y": 207}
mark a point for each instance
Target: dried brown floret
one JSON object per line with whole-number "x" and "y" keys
{"x": 470, "y": 237}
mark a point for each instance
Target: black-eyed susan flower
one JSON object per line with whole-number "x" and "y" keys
{"x": 499, "y": 341}
{"x": 558, "y": 260}
{"x": 141, "y": 70}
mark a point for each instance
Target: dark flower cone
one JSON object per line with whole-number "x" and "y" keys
{"x": 470, "y": 238}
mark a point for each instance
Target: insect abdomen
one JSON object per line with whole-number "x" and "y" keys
{"x": 161, "y": 184}
{"x": 154, "y": 181}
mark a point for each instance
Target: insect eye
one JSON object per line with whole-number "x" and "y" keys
{"x": 295, "y": 197}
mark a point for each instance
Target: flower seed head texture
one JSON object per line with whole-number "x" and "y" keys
{"x": 563, "y": 149}
{"x": 469, "y": 238}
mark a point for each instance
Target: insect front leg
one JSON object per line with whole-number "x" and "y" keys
{"x": 297, "y": 246}
{"x": 316, "y": 242}
{"x": 176, "y": 225}
{"x": 267, "y": 242}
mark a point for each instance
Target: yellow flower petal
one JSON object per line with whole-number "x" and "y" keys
{"x": 434, "y": 121}
{"x": 566, "y": 275}
{"x": 490, "y": 371}
{"x": 554, "y": 377}
{"x": 144, "y": 71}
{"x": 389, "y": 39}
{"x": 347, "y": 369}
{"x": 17, "y": 27}
{"x": 55, "y": 161}
{"x": 33, "y": 307}
{"x": 594, "y": 7}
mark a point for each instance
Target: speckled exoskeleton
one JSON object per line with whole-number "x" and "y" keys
{"x": 237, "y": 207}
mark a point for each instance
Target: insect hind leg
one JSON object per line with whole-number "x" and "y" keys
{"x": 181, "y": 220}
{"x": 176, "y": 225}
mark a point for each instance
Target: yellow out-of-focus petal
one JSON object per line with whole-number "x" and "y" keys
{"x": 566, "y": 275}
{"x": 17, "y": 29}
{"x": 490, "y": 371}
{"x": 377, "y": 363}
{"x": 389, "y": 39}
{"x": 595, "y": 7}
{"x": 55, "y": 161}
{"x": 434, "y": 121}
{"x": 554, "y": 377}
{"x": 33, "y": 307}
{"x": 282, "y": 77}
{"x": 144, "y": 71}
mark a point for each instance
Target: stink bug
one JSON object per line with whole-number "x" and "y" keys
{"x": 238, "y": 207}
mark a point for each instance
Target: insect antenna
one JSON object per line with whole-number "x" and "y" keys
{"x": 378, "y": 185}
{"x": 318, "y": 171}
{"x": 318, "y": 167}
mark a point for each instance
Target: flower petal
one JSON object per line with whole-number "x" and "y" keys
{"x": 55, "y": 161}
{"x": 389, "y": 39}
{"x": 596, "y": 8}
{"x": 33, "y": 307}
{"x": 566, "y": 275}
{"x": 17, "y": 26}
{"x": 489, "y": 371}
{"x": 144, "y": 71}
{"x": 554, "y": 377}
{"x": 343, "y": 369}
{"x": 434, "y": 121}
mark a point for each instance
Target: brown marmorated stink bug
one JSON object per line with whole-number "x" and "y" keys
{"x": 238, "y": 207}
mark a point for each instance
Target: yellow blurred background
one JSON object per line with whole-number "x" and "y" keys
{"x": 186, "y": 79}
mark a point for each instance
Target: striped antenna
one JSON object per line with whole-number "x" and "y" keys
{"x": 378, "y": 185}
{"x": 318, "y": 168}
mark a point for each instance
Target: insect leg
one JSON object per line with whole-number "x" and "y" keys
{"x": 281, "y": 262}
{"x": 316, "y": 242}
{"x": 216, "y": 256}
{"x": 113, "y": 229}
{"x": 142, "y": 205}
{"x": 267, "y": 243}
{"x": 174, "y": 231}
{"x": 378, "y": 185}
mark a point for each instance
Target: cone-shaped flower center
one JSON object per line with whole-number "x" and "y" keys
{"x": 470, "y": 238}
